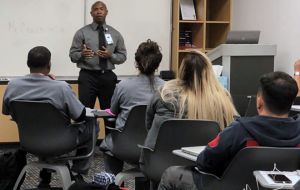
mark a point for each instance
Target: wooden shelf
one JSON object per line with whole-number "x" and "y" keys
{"x": 218, "y": 22}
{"x": 207, "y": 32}
{"x": 187, "y": 49}
{"x": 191, "y": 21}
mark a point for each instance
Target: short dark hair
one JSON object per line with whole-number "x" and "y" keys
{"x": 38, "y": 57}
{"x": 278, "y": 91}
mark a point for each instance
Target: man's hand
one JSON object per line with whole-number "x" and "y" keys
{"x": 104, "y": 53}
{"x": 52, "y": 76}
{"x": 87, "y": 52}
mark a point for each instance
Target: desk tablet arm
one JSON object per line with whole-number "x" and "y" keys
{"x": 145, "y": 147}
{"x": 76, "y": 124}
{"x": 92, "y": 148}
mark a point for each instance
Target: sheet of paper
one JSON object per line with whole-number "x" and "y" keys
{"x": 187, "y": 10}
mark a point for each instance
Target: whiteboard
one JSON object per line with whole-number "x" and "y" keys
{"x": 25, "y": 24}
{"x": 137, "y": 21}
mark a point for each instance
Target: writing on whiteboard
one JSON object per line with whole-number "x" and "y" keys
{"x": 22, "y": 27}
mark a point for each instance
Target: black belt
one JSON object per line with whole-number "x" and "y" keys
{"x": 97, "y": 71}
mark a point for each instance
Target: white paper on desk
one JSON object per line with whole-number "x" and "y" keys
{"x": 218, "y": 70}
{"x": 187, "y": 10}
{"x": 89, "y": 112}
{"x": 295, "y": 108}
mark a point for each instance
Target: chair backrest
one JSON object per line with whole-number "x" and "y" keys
{"x": 174, "y": 134}
{"x": 134, "y": 133}
{"x": 240, "y": 170}
{"x": 43, "y": 130}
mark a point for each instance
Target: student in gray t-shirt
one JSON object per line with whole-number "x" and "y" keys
{"x": 40, "y": 86}
{"x": 132, "y": 92}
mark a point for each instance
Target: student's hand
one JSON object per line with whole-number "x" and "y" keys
{"x": 52, "y": 76}
{"x": 87, "y": 52}
{"x": 104, "y": 53}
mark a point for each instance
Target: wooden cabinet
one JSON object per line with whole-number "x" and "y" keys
{"x": 207, "y": 32}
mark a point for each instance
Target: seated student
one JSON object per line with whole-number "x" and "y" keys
{"x": 272, "y": 128}
{"x": 132, "y": 92}
{"x": 39, "y": 85}
{"x": 195, "y": 94}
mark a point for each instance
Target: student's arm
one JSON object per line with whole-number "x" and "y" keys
{"x": 6, "y": 100}
{"x": 219, "y": 152}
{"x": 116, "y": 100}
{"x": 5, "y": 104}
{"x": 74, "y": 107}
{"x": 151, "y": 110}
{"x": 82, "y": 116}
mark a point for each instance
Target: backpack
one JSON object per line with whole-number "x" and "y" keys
{"x": 11, "y": 164}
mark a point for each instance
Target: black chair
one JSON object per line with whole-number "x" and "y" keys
{"x": 240, "y": 170}
{"x": 46, "y": 133}
{"x": 134, "y": 132}
{"x": 174, "y": 134}
{"x": 125, "y": 142}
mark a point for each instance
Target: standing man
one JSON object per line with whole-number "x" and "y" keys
{"x": 96, "y": 48}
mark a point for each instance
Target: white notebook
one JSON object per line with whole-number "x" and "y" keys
{"x": 193, "y": 150}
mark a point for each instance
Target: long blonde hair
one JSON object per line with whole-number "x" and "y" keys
{"x": 197, "y": 94}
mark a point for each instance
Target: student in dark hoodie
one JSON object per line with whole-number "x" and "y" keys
{"x": 271, "y": 128}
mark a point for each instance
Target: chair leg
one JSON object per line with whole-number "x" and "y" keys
{"x": 61, "y": 169}
{"x": 64, "y": 175}
{"x": 142, "y": 183}
{"x": 20, "y": 177}
{"x": 123, "y": 176}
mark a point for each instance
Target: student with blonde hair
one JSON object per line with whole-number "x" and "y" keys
{"x": 195, "y": 94}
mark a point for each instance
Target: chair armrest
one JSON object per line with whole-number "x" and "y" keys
{"x": 145, "y": 147}
{"x": 207, "y": 174}
{"x": 113, "y": 129}
{"x": 77, "y": 124}
{"x": 111, "y": 119}
{"x": 83, "y": 156}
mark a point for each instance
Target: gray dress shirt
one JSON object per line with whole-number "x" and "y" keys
{"x": 89, "y": 35}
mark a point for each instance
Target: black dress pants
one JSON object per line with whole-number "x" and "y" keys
{"x": 94, "y": 84}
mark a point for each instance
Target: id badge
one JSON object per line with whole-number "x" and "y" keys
{"x": 109, "y": 39}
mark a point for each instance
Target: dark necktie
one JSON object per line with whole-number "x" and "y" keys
{"x": 102, "y": 61}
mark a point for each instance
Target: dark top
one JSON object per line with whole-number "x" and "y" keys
{"x": 248, "y": 131}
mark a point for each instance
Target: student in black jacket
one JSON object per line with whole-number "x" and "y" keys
{"x": 272, "y": 128}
